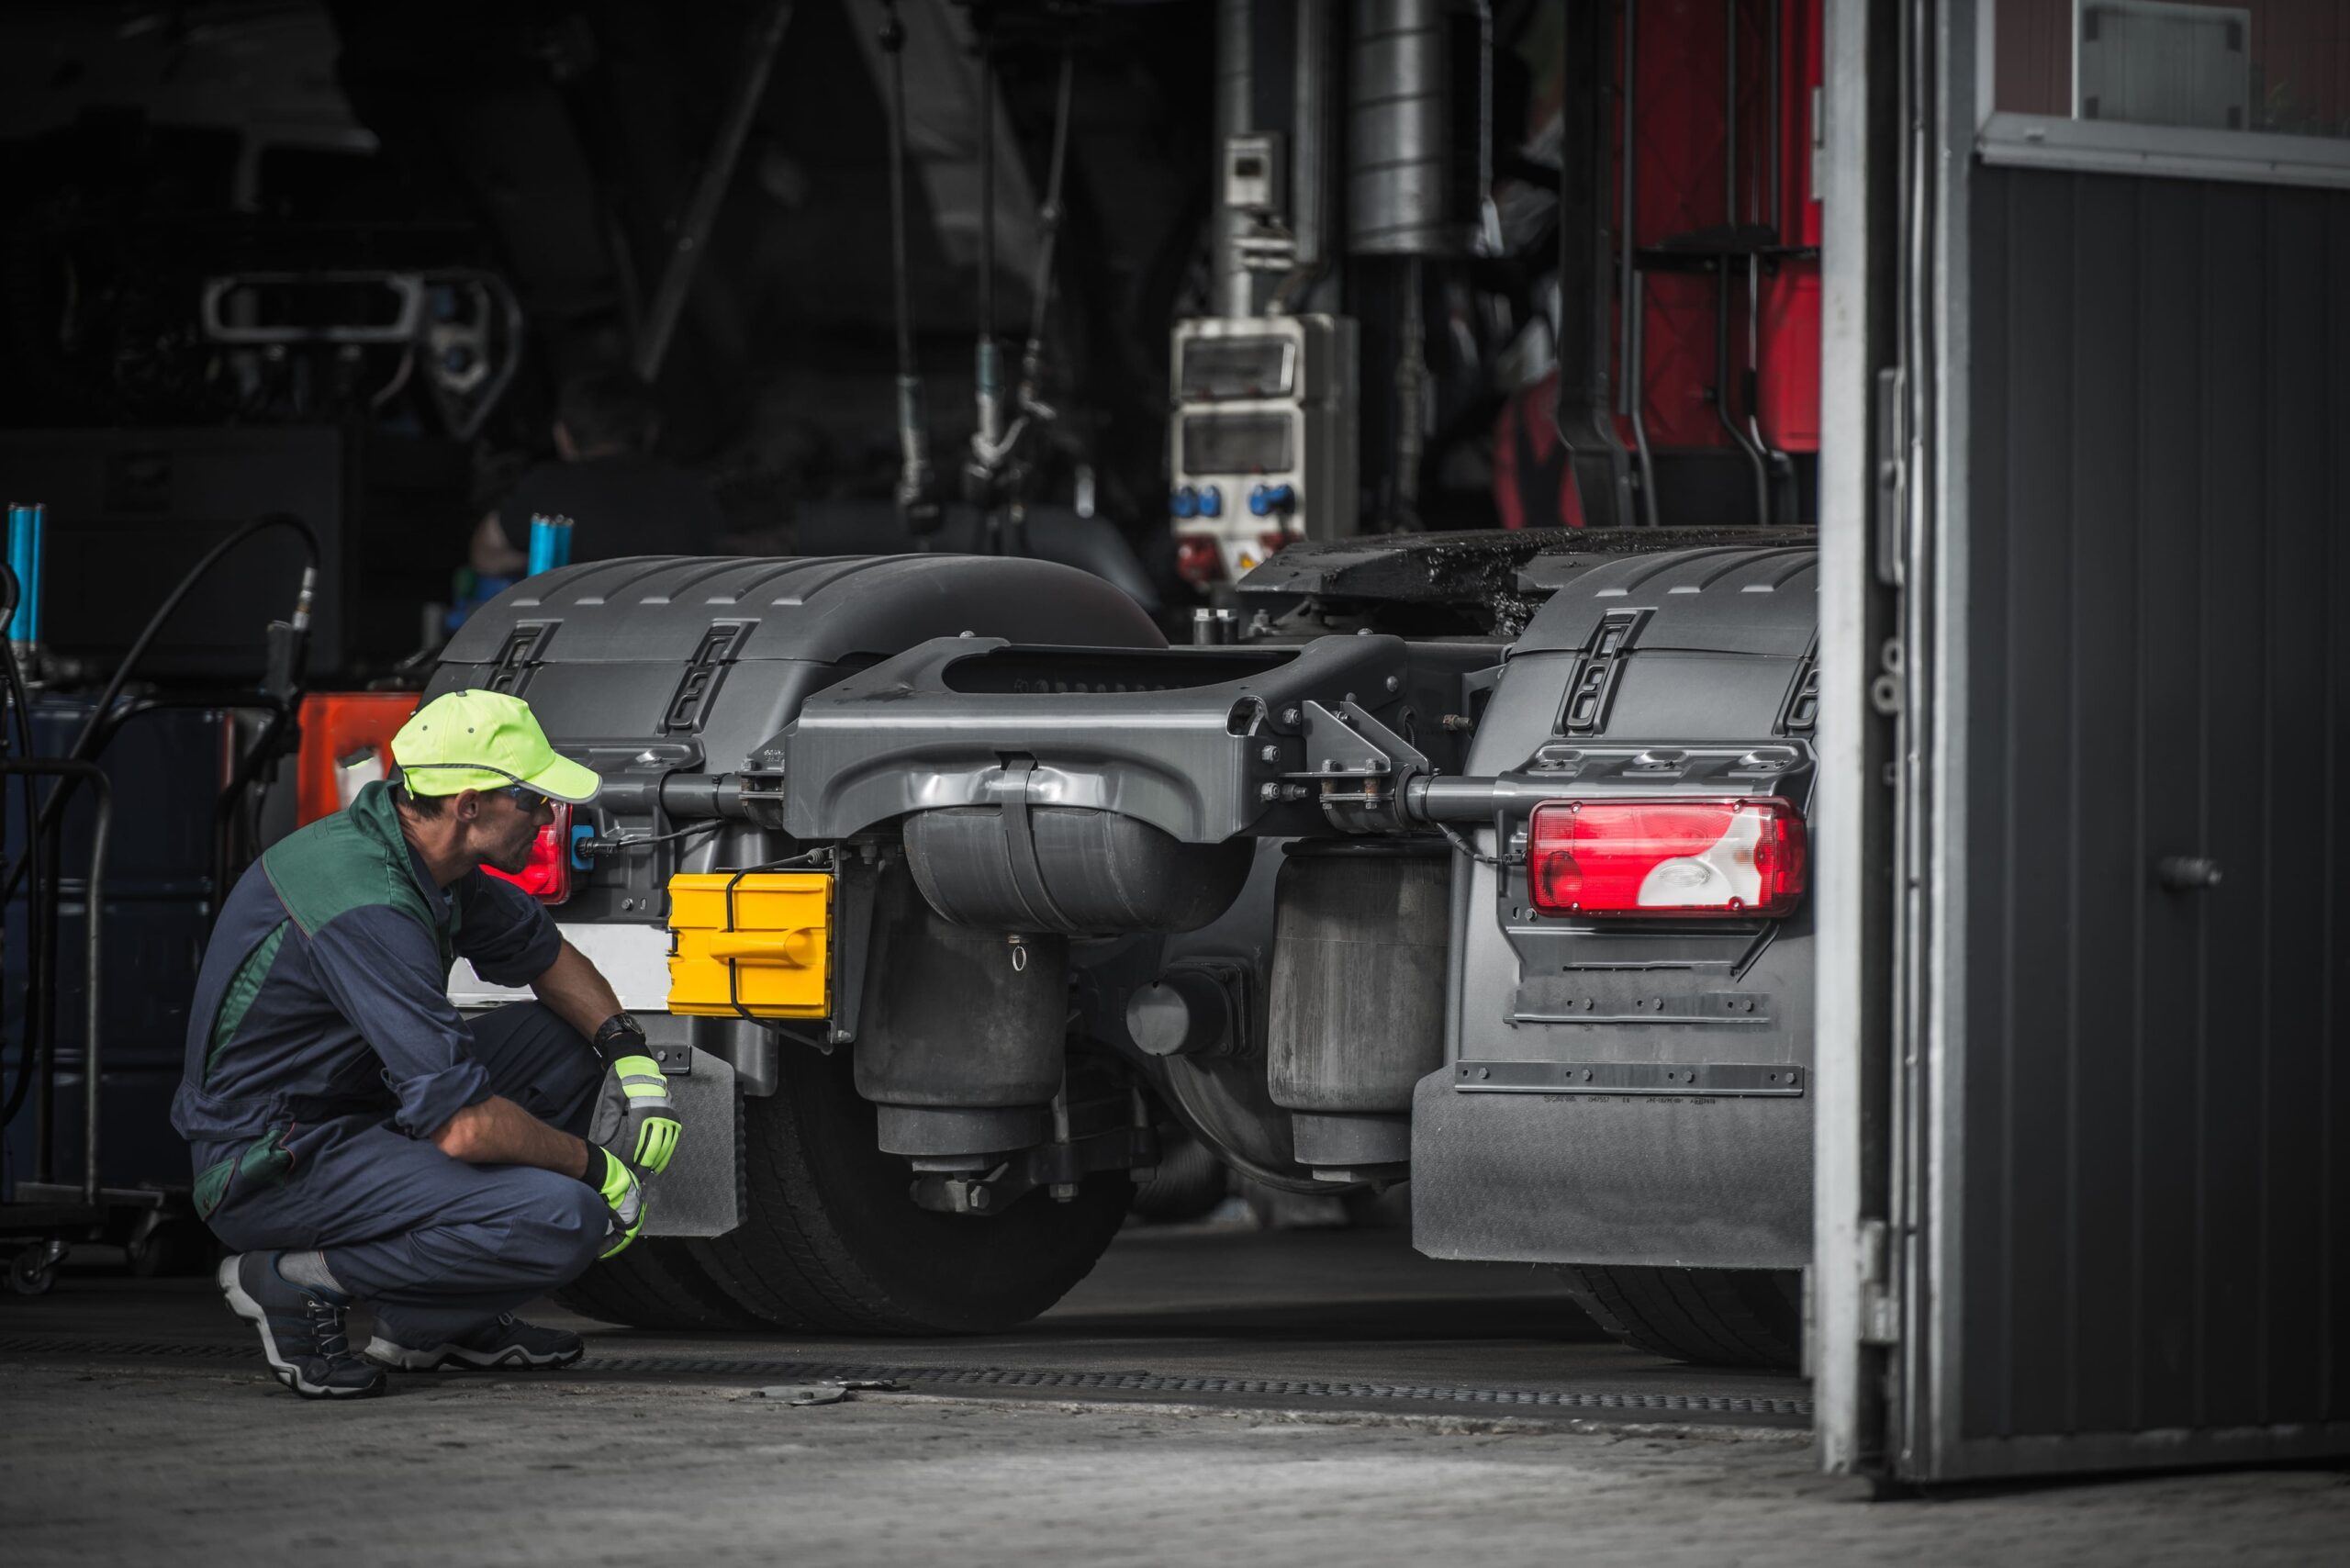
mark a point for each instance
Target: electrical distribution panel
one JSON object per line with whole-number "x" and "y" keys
{"x": 1263, "y": 438}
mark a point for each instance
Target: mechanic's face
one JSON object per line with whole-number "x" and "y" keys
{"x": 503, "y": 832}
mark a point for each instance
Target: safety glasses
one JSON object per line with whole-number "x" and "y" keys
{"x": 524, "y": 797}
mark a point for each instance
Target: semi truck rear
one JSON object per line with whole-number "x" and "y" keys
{"x": 952, "y": 893}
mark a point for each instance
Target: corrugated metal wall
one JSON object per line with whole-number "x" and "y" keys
{"x": 2157, "y": 1163}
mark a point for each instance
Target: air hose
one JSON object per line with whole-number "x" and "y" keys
{"x": 916, "y": 503}
{"x": 989, "y": 441}
{"x": 1048, "y": 224}
{"x": 993, "y": 440}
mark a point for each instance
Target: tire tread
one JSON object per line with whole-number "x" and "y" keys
{"x": 655, "y": 1284}
{"x": 1726, "y": 1317}
{"x": 792, "y": 1262}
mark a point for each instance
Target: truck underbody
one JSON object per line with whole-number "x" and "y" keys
{"x": 1296, "y": 896}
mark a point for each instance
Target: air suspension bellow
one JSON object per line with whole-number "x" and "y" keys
{"x": 1360, "y": 932}
{"x": 964, "y": 1030}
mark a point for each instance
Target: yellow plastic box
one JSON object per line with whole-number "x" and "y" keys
{"x": 755, "y": 943}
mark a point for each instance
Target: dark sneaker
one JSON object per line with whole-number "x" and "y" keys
{"x": 507, "y": 1342}
{"x": 301, "y": 1329}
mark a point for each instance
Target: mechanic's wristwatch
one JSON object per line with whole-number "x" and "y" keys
{"x": 621, "y": 1036}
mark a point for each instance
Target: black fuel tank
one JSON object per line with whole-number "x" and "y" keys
{"x": 1069, "y": 869}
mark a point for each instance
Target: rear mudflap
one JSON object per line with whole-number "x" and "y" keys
{"x": 700, "y": 1193}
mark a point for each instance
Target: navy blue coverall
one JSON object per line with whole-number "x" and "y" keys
{"x": 323, "y": 1054}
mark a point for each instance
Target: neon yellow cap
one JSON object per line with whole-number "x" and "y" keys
{"x": 485, "y": 740}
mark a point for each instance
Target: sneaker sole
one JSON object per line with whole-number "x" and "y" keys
{"x": 383, "y": 1352}
{"x": 246, "y": 1307}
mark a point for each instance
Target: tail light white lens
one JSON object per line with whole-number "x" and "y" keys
{"x": 546, "y": 876}
{"x": 1666, "y": 857}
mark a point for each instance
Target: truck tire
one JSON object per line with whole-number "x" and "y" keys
{"x": 656, "y": 1284}
{"x": 831, "y": 1242}
{"x": 1719, "y": 1317}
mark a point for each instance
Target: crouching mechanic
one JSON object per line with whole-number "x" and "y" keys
{"x": 355, "y": 1138}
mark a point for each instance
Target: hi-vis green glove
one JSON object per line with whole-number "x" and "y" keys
{"x": 649, "y": 1126}
{"x": 611, "y": 1177}
{"x": 647, "y": 1134}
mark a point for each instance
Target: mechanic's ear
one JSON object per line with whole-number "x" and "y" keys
{"x": 466, "y": 805}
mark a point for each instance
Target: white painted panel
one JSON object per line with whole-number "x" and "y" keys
{"x": 635, "y": 958}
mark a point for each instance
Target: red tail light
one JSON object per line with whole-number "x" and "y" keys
{"x": 1666, "y": 857}
{"x": 1199, "y": 560}
{"x": 546, "y": 877}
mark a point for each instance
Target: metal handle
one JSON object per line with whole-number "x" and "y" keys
{"x": 406, "y": 325}
{"x": 792, "y": 949}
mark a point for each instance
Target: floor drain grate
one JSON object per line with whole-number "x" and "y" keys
{"x": 1010, "y": 1377}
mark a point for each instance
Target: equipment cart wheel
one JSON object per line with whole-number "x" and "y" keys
{"x": 1718, "y": 1317}
{"x": 33, "y": 1271}
{"x": 830, "y": 1241}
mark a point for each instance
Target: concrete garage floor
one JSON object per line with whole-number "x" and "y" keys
{"x": 1208, "y": 1396}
